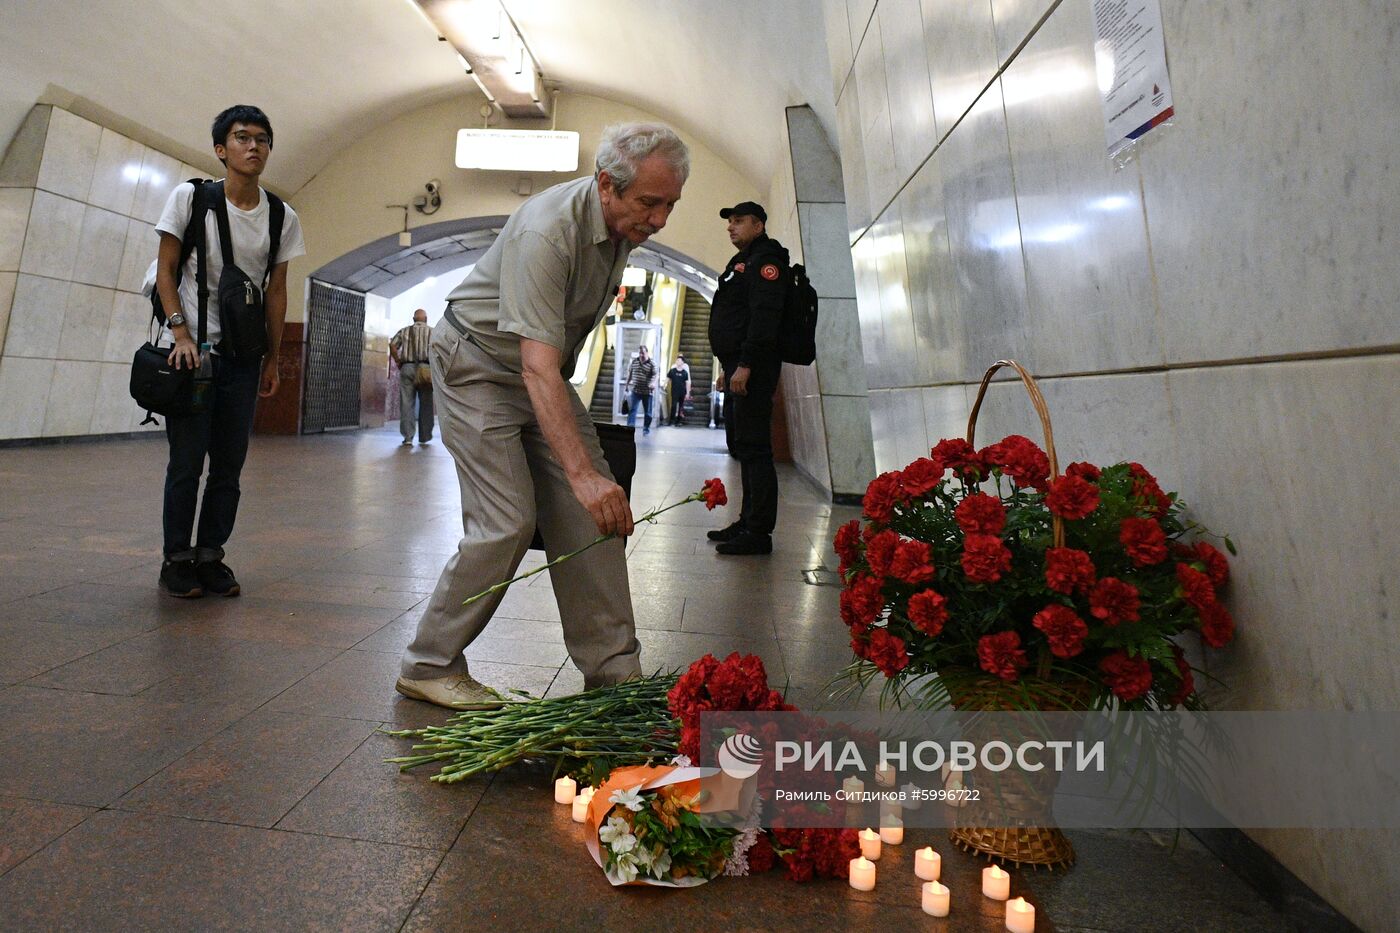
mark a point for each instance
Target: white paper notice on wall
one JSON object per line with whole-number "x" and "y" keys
{"x": 1130, "y": 56}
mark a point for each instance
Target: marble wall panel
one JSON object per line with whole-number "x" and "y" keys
{"x": 85, "y": 321}
{"x": 112, "y": 408}
{"x": 910, "y": 429}
{"x": 900, "y": 354}
{"x": 1016, "y": 19}
{"x": 853, "y": 160}
{"x": 882, "y": 430}
{"x": 116, "y": 172}
{"x": 858, "y": 14}
{"x": 36, "y": 317}
{"x": 1088, "y": 280}
{"x": 14, "y": 220}
{"x": 1272, "y": 223}
{"x": 100, "y": 247}
{"x": 945, "y": 412}
{"x": 838, "y": 42}
{"x": 906, "y": 76}
{"x": 872, "y": 328}
{"x": 159, "y": 176}
{"x": 72, "y": 396}
{"x": 882, "y": 175}
{"x": 984, "y": 235}
{"x": 51, "y": 242}
{"x": 140, "y": 248}
{"x": 20, "y": 166}
{"x": 130, "y": 327}
{"x": 827, "y": 257}
{"x": 70, "y": 155}
{"x": 852, "y": 461}
{"x": 840, "y": 367}
{"x": 816, "y": 168}
{"x": 962, "y": 56}
{"x": 7, "y": 297}
{"x": 24, "y": 385}
{"x": 939, "y": 332}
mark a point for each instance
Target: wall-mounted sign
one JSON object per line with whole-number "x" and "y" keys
{"x": 1130, "y": 56}
{"x": 518, "y": 150}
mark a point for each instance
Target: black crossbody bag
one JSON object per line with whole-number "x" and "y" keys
{"x": 242, "y": 303}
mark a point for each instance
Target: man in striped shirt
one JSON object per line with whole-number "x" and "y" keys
{"x": 641, "y": 382}
{"x": 409, "y": 348}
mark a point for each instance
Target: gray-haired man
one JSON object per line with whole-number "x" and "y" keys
{"x": 525, "y": 448}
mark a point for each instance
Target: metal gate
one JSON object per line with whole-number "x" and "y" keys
{"x": 335, "y": 335}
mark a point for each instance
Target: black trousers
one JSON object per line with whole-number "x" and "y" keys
{"x": 750, "y": 419}
{"x": 221, "y": 434}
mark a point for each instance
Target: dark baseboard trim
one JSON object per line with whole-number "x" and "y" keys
{"x": 1275, "y": 883}
{"x": 846, "y": 498}
{"x": 79, "y": 439}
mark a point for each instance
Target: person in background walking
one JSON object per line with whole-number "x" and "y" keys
{"x": 679, "y": 377}
{"x": 641, "y": 385}
{"x": 409, "y": 348}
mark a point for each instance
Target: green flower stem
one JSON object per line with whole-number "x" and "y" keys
{"x": 648, "y": 517}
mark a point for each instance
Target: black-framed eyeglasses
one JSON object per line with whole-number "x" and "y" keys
{"x": 261, "y": 140}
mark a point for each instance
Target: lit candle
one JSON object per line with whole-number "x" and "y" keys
{"x": 928, "y": 864}
{"x": 580, "y": 812}
{"x": 565, "y": 790}
{"x": 863, "y": 873}
{"x": 853, "y": 787}
{"x": 996, "y": 883}
{"x": 1020, "y": 916}
{"x": 935, "y": 899}
{"x": 884, "y": 775}
{"x": 892, "y": 831}
{"x": 890, "y": 810}
{"x": 869, "y": 844}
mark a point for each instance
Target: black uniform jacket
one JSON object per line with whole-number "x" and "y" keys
{"x": 748, "y": 304}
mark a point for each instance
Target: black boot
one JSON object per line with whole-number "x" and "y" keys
{"x": 747, "y": 543}
{"x": 727, "y": 533}
{"x": 178, "y": 578}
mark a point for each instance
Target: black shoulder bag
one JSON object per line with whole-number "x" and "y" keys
{"x": 242, "y": 305}
{"x": 157, "y": 386}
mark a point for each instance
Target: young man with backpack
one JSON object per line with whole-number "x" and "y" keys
{"x": 746, "y": 316}
{"x": 224, "y": 286}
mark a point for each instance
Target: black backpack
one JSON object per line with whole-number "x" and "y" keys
{"x": 797, "y": 337}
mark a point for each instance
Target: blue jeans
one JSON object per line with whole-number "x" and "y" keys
{"x": 220, "y": 433}
{"x": 633, "y": 400}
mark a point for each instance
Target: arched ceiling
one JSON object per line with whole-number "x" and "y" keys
{"x": 325, "y": 70}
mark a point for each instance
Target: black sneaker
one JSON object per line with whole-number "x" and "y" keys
{"x": 217, "y": 579}
{"x": 727, "y": 533}
{"x": 747, "y": 543}
{"x": 178, "y": 578}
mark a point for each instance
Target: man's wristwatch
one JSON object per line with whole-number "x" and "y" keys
{"x": 175, "y": 320}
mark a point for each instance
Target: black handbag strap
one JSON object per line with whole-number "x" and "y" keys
{"x": 277, "y": 211}
{"x": 201, "y": 272}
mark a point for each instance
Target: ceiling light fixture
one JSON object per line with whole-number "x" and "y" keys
{"x": 494, "y": 53}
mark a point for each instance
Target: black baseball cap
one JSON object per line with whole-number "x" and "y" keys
{"x": 745, "y": 208}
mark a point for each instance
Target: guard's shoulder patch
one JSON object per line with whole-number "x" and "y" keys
{"x": 769, "y": 272}
{"x": 738, "y": 267}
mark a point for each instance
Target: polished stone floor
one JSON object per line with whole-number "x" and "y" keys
{"x": 218, "y": 764}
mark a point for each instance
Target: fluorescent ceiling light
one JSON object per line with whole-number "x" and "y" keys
{"x": 518, "y": 150}
{"x": 634, "y": 277}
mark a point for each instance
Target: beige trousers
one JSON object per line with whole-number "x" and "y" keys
{"x": 510, "y": 481}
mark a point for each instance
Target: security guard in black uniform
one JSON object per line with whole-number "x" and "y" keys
{"x": 745, "y": 315}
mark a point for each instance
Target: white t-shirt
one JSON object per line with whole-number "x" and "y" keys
{"x": 251, "y": 241}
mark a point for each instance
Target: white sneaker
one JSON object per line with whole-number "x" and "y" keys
{"x": 459, "y": 691}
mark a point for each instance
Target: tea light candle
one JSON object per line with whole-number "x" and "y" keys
{"x": 996, "y": 883}
{"x": 565, "y": 789}
{"x": 911, "y": 796}
{"x": 854, "y": 787}
{"x": 869, "y": 844}
{"x": 884, "y": 775}
{"x": 1020, "y": 916}
{"x": 863, "y": 873}
{"x": 892, "y": 831}
{"x": 935, "y": 899}
{"x": 581, "y": 802}
{"x": 928, "y": 864}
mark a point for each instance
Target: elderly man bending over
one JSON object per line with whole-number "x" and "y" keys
{"x": 524, "y": 446}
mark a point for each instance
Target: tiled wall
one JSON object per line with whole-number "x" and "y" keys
{"x": 78, "y": 206}
{"x": 1223, "y": 309}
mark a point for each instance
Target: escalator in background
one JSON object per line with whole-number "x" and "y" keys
{"x": 695, "y": 347}
{"x": 601, "y": 407}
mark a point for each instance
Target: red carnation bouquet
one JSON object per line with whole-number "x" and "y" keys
{"x": 957, "y": 570}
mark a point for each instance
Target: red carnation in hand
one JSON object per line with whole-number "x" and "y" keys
{"x": 1144, "y": 541}
{"x": 928, "y": 611}
{"x": 1019, "y": 458}
{"x": 1068, "y": 569}
{"x": 1145, "y": 488}
{"x": 887, "y": 652}
{"x": 1195, "y": 587}
{"x": 1001, "y": 655}
{"x": 1188, "y": 682}
{"x": 1085, "y": 471}
{"x": 961, "y": 457}
{"x": 1064, "y": 630}
{"x": 985, "y": 558}
{"x": 1113, "y": 601}
{"x": 1128, "y": 678}
{"x": 713, "y": 493}
{"x": 913, "y": 562}
{"x": 847, "y": 544}
{"x": 981, "y": 514}
{"x": 879, "y": 552}
{"x": 1072, "y": 498}
{"x": 920, "y": 477}
{"x": 1217, "y": 626}
{"x": 861, "y": 602}
{"x": 1217, "y": 567}
{"x": 880, "y": 497}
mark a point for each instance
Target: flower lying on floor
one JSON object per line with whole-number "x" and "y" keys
{"x": 711, "y": 493}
